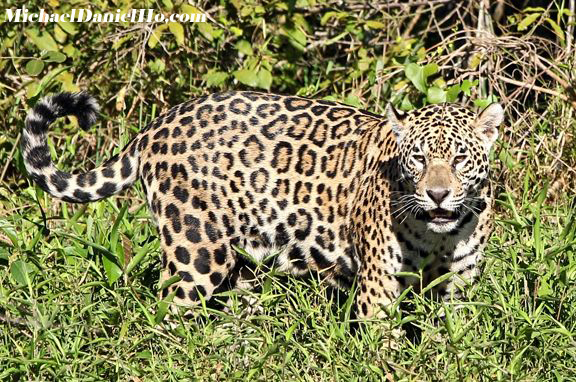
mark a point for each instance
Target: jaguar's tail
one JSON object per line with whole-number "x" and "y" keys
{"x": 118, "y": 173}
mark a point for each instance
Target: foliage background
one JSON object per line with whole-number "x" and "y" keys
{"x": 77, "y": 283}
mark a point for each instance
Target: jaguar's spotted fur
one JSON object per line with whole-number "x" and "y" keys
{"x": 321, "y": 186}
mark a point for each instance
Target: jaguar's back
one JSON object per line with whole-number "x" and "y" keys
{"x": 265, "y": 173}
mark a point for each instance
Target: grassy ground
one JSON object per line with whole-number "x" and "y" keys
{"x": 78, "y": 286}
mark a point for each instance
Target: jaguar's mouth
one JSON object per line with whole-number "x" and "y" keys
{"x": 442, "y": 216}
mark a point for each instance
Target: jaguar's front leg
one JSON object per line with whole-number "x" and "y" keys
{"x": 378, "y": 285}
{"x": 380, "y": 260}
{"x": 377, "y": 291}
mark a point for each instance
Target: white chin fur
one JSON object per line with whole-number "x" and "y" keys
{"x": 442, "y": 228}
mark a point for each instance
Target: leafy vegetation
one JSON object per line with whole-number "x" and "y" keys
{"x": 78, "y": 282}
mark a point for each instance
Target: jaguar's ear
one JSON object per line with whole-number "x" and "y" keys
{"x": 396, "y": 120}
{"x": 487, "y": 123}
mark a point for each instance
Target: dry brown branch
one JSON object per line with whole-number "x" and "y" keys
{"x": 413, "y": 22}
{"x": 570, "y": 31}
{"x": 534, "y": 87}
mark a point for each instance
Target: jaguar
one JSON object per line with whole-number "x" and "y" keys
{"x": 305, "y": 186}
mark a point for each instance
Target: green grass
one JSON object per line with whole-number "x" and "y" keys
{"x": 78, "y": 296}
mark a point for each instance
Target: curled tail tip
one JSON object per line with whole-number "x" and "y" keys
{"x": 33, "y": 143}
{"x": 87, "y": 109}
{"x": 82, "y": 105}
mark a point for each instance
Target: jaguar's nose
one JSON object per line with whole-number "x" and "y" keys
{"x": 438, "y": 195}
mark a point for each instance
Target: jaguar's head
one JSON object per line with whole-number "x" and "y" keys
{"x": 443, "y": 157}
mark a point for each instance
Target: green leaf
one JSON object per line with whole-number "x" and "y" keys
{"x": 246, "y": 11}
{"x": 364, "y": 63}
{"x": 178, "y": 31}
{"x": 534, "y": 9}
{"x": 476, "y": 60}
{"x": 118, "y": 43}
{"x": 290, "y": 331}
{"x": 52, "y": 56}
{"x": 34, "y": 67}
{"x": 215, "y": 78}
{"x": 113, "y": 271}
{"x": 300, "y": 23}
{"x": 406, "y": 104}
{"x": 247, "y": 77}
{"x": 206, "y": 29}
{"x": 144, "y": 354}
{"x": 437, "y": 281}
{"x": 353, "y": 100}
{"x": 372, "y": 24}
{"x": 525, "y": 23}
{"x": 4, "y": 255}
{"x": 20, "y": 272}
{"x": 296, "y": 37}
{"x": 44, "y": 41}
{"x": 484, "y": 102}
{"x": 66, "y": 79}
{"x": 244, "y": 46}
{"x": 68, "y": 27}
{"x": 157, "y": 66}
{"x": 332, "y": 14}
{"x": 155, "y": 36}
{"x": 168, "y": 5}
{"x": 237, "y": 31}
{"x": 264, "y": 79}
{"x": 544, "y": 289}
{"x": 8, "y": 229}
{"x": 70, "y": 51}
{"x": 415, "y": 74}
{"x": 429, "y": 70}
{"x": 559, "y": 32}
{"x": 336, "y": 38}
{"x": 59, "y": 35}
{"x": 114, "y": 234}
{"x": 418, "y": 75}
{"x": 46, "y": 81}
{"x": 436, "y": 95}
{"x": 452, "y": 93}
{"x": 331, "y": 98}
{"x": 172, "y": 280}
{"x": 467, "y": 86}
{"x": 186, "y": 8}
{"x": 163, "y": 307}
{"x": 140, "y": 254}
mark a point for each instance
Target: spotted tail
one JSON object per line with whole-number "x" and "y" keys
{"x": 117, "y": 174}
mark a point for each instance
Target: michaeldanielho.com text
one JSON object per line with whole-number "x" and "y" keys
{"x": 22, "y": 15}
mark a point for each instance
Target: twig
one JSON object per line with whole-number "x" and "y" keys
{"x": 413, "y": 22}
{"x": 10, "y": 156}
{"x": 570, "y": 31}
{"x": 367, "y": 6}
{"x": 554, "y": 76}
{"x": 19, "y": 322}
{"x": 536, "y": 87}
{"x": 399, "y": 4}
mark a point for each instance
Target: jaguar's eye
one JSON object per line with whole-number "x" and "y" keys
{"x": 458, "y": 159}
{"x": 419, "y": 158}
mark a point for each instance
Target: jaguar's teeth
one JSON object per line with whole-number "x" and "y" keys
{"x": 441, "y": 214}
